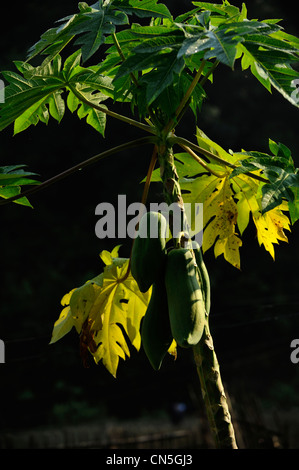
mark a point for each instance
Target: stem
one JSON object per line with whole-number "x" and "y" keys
{"x": 185, "y": 99}
{"x": 213, "y": 392}
{"x": 212, "y": 69}
{"x": 122, "y": 56}
{"x": 120, "y": 117}
{"x": 201, "y": 162}
{"x": 184, "y": 142}
{"x": 149, "y": 176}
{"x": 79, "y": 166}
{"x": 205, "y": 357}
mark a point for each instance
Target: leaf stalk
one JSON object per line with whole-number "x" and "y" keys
{"x": 185, "y": 100}
{"x": 201, "y": 162}
{"x": 110, "y": 113}
{"x": 184, "y": 142}
{"x": 79, "y": 166}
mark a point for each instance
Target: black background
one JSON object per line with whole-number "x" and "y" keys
{"x": 47, "y": 251}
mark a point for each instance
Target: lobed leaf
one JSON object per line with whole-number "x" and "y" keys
{"x": 107, "y": 311}
{"x": 12, "y": 177}
{"x": 280, "y": 171}
{"x": 142, "y": 9}
{"x": 229, "y": 201}
{"x": 37, "y": 95}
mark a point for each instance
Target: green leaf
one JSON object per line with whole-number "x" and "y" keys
{"x": 224, "y": 9}
{"x": 142, "y": 9}
{"x": 271, "y": 66}
{"x": 14, "y": 175}
{"x": 30, "y": 99}
{"x": 99, "y": 24}
{"x": 55, "y": 39}
{"x": 92, "y": 24}
{"x": 157, "y": 80}
{"x": 282, "y": 183}
{"x": 158, "y": 57}
{"x": 10, "y": 191}
{"x": 37, "y": 95}
{"x": 279, "y": 169}
{"x": 93, "y": 80}
{"x": 71, "y": 63}
{"x": 220, "y": 42}
{"x": 294, "y": 205}
{"x": 94, "y": 117}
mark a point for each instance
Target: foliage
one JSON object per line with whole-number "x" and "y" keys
{"x": 158, "y": 66}
{"x": 12, "y": 178}
{"x": 121, "y": 304}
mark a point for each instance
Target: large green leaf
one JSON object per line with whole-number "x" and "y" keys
{"x": 142, "y": 9}
{"x": 26, "y": 100}
{"x": 294, "y": 205}
{"x": 219, "y": 42}
{"x": 279, "y": 169}
{"x": 12, "y": 177}
{"x": 92, "y": 24}
{"x": 270, "y": 61}
{"x": 36, "y": 95}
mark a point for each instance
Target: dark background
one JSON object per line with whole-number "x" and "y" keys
{"x": 47, "y": 251}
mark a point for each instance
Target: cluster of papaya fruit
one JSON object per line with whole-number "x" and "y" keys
{"x": 180, "y": 283}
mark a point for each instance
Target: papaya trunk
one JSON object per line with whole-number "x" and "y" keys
{"x": 204, "y": 354}
{"x": 213, "y": 392}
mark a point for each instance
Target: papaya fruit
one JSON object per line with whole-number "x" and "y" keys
{"x": 185, "y": 298}
{"x": 203, "y": 274}
{"x": 156, "y": 334}
{"x": 149, "y": 249}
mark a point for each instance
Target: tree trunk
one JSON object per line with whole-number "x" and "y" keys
{"x": 204, "y": 354}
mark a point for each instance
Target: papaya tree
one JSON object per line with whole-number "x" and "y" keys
{"x": 157, "y": 66}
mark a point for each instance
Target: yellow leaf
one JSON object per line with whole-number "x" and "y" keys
{"x": 229, "y": 247}
{"x": 81, "y": 302}
{"x": 220, "y": 217}
{"x": 205, "y": 142}
{"x": 121, "y": 307}
{"x": 66, "y": 298}
{"x": 108, "y": 257}
{"x": 172, "y": 350}
{"x": 106, "y": 311}
{"x": 228, "y": 204}
{"x": 63, "y": 325}
{"x": 246, "y": 190}
{"x": 270, "y": 228}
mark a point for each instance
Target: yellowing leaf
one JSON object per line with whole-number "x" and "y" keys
{"x": 270, "y": 228}
{"x": 81, "y": 302}
{"x": 205, "y": 142}
{"x": 122, "y": 307}
{"x": 228, "y": 204}
{"x": 63, "y": 325}
{"x": 106, "y": 311}
{"x": 246, "y": 190}
{"x": 172, "y": 350}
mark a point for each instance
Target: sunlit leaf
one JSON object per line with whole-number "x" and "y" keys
{"x": 228, "y": 202}
{"x": 107, "y": 311}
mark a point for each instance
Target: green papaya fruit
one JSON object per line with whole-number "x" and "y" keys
{"x": 149, "y": 249}
{"x": 185, "y": 299}
{"x": 156, "y": 334}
